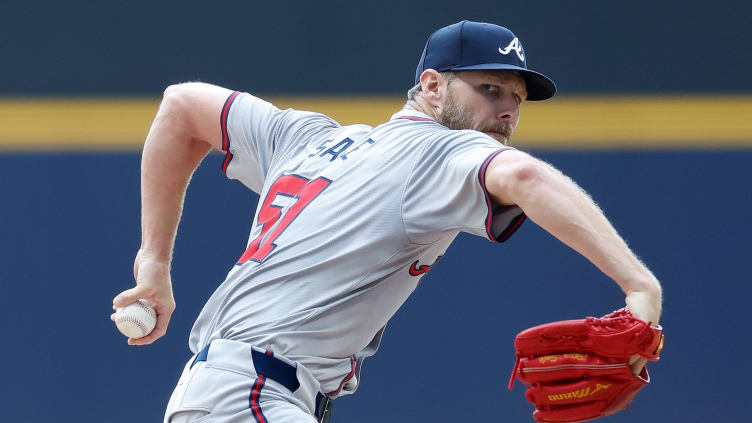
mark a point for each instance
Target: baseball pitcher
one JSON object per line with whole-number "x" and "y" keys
{"x": 349, "y": 220}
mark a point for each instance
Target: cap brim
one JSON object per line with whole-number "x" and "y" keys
{"x": 539, "y": 86}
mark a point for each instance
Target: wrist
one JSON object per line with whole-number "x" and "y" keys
{"x": 649, "y": 287}
{"x": 155, "y": 255}
{"x": 640, "y": 280}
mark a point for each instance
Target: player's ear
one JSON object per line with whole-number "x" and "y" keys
{"x": 430, "y": 83}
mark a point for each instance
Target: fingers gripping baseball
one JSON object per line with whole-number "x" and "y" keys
{"x": 154, "y": 285}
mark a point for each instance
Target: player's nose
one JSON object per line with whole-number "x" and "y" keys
{"x": 508, "y": 109}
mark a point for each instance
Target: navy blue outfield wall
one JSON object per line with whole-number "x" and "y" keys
{"x": 69, "y": 227}
{"x": 302, "y": 47}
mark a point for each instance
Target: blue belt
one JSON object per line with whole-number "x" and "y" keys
{"x": 267, "y": 365}
{"x": 279, "y": 371}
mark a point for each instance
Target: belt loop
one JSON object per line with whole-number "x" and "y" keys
{"x": 275, "y": 369}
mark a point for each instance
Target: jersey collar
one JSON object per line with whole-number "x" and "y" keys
{"x": 414, "y": 115}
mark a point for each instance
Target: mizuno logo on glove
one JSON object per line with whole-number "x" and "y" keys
{"x": 580, "y": 393}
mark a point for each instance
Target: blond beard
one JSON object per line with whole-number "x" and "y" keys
{"x": 454, "y": 117}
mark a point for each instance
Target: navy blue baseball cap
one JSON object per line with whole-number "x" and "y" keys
{"x": 471, "y": 45}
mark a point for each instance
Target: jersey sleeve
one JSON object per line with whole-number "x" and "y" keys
{"x": 255, "y": 133}
{"x": 447, "y": 192}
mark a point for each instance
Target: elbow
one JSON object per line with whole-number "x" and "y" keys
{"x": 528, "y": 172}
{"x": 173, "y": 101}
{"x": 527, "y": 177}
{"x": 522, "y": 179}
{"x": 176, "y": 92}
{"x": 175, "y": 110}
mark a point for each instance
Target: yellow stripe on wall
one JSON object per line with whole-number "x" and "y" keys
{"x": 601, "y": 122}
{"x": 75, "y": 124}
{"x": 638, "y": 122}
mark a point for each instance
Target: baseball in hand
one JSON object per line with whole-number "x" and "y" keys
{"x": 136, "y": 320}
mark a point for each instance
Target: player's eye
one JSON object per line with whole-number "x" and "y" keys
{"x": 490, "y": 88}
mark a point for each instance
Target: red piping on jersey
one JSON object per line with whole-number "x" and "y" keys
{"x": 345, "y": 380}
{"x": 223, "y": 127}
{"x": 255, "y": 394}
{"x": 422, "y": 119}
{"x": 516, "y": 222}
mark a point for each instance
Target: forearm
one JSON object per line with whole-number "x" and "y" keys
{"x": 558, "y": 205}
{"x": 184, "y": 130}
{"x": 169, "y": 158}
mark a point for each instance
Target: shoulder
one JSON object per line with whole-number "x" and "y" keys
{"x": 258, "y": 107}
{"x": 452, "y": 143}
{"x": 420, "y": 127}
{"x": 293, "y": 121}
{"x": 305, "y": 116}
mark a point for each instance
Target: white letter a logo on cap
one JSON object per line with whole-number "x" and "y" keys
{"x": 516, "y": 46}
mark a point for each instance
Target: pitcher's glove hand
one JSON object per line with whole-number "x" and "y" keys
{"x": 578, "y": 370}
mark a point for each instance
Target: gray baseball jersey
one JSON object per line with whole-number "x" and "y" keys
{"x": 349, "y": 219}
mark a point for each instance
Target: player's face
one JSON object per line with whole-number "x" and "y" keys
{"x": 487, "y": 101}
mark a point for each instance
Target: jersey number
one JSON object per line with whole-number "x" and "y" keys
{"x": 292, "y": 192}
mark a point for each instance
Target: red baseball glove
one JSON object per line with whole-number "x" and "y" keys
{"x": 578, "y": 370}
